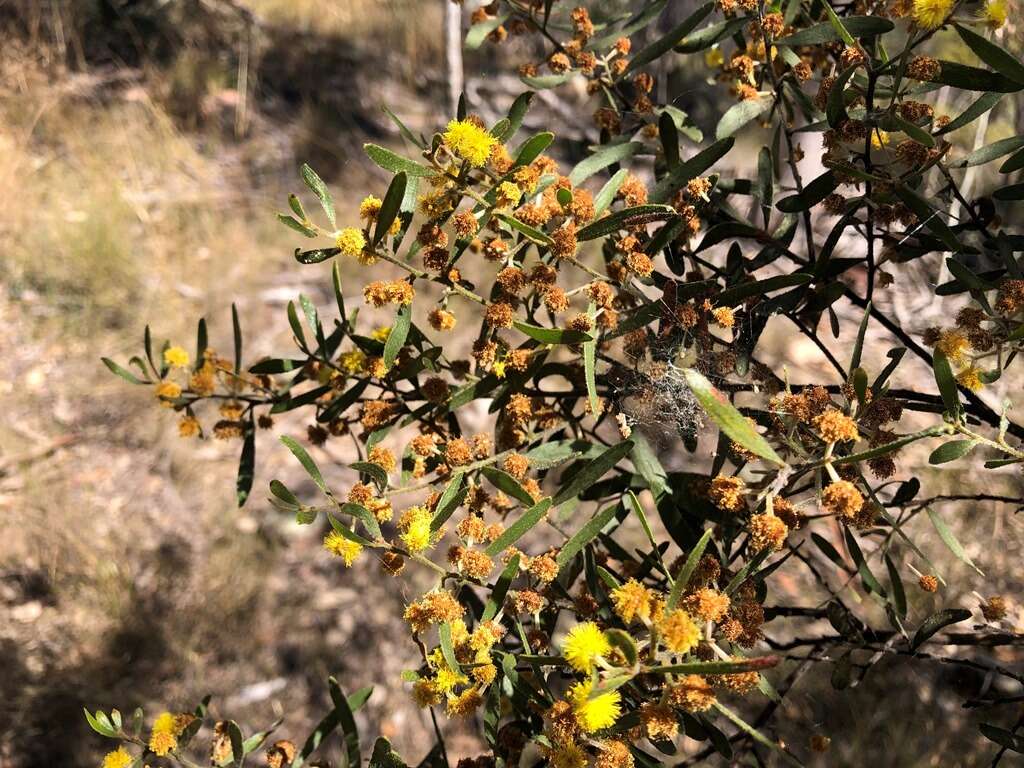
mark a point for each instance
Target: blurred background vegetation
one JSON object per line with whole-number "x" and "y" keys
{"x": 144, "y": 147}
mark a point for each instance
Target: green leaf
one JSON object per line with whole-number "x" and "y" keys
{"x": 552, "y": 335}
{"x": 937, "y": 621}
{"x": 1004, "y": 738}
{"x": 627, "y": 217}
{"x": 738, "y": 293}
{"x": 544, "y": 82}
{"x": 990, "y": 152}
{"x": 398, "y": 334}
{"x": 246, "y": 466}
{"x": 316, "y": 184}
{"x": 1013, "y": 163}
{"x": 347, "y": 723}
{"x": 589, "y": 365}
{"x": 292, "y": 223}
{"x": 532, "y": 148}
{"x": 444, "y": 634}
{"x": 951, "y": 451}
{"x": 707, "y": 36}
{"x": 607, "y": 194}
{"x": 894, "y": 122}
{"x": 100, "y": 723}
{"x": 682, "y": 579}
{"x": 1012, "y": 192}
{"x": 587, "y": 533}
{"x": 503, "y": 481}
{"x": 347, "y": 532}
{"x": 384, "y": 756}
{"x": 671, "y": 38}
{"x": 478, "y": 32}
{"x": 947, "y": 384}
{"x": 729, "y": 420}
{"x": 519, "y": 528}
{"x": 389, "y": 161}
{"x": 950, "y": 540}
{"x": 837, "y": 24}
{"x": 390, "y": 206}
{"x": 739, "y": 114}
{"x": 983, "y": 104}
{"x": 752, "y": 664}
{"x": 899, "y": 594}
{"x": 124, "y": 373}
{"x": 602, "y": 158}
{"x": 307, "y": 463}
{"x": 404, "y": 130}
{"x": 826, "y": 32}
{"x": 497, "y": 596}
{"x": 815, "y": 191}
{"x": 973, "y": 79}
{"x": 531, "y": 233}
{"x": 516, "y": 114}
{"x": 451, "y": 498}
{"x": 593, "y": 471}
{"x": 926, "y": 214}
{"x": 647, "y": 464}
{"x": 996, "y": 57}
{"x": 690, "y": 169}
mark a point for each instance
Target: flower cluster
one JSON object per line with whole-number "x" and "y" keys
{"x": 569, "y": 424}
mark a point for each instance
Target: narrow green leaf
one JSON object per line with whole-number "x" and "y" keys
{"x": 728, "y": 419}
{"x": 951, "y": 451}
{"x": 389, "y": 161}
{"x": 316, "y": 184}
{"x": 602, "y": 158}
{"x": 666, "y": 42}
{"x": 397, "y": 335}
{"x": 739, "y": 114}
{"x": 1001, "y": 60}
{"x": 519, "y": 528}
{"x": 627, "y": 217}
{"x": 938, "y": 621}
{"x": 950, "y": 540}
{"x": 593, "y": 471}
{"x": 497, "y": 596}
{"x": 307, "y": 462}
{"x": 682, "y": 579}
{"x": 390, "y": 206}
{"x": 124, "y": 373}
{"x": 552, "y": 335}
{"x": 587, "y": 533}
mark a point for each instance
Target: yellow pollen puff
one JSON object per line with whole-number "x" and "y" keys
{"x": 679, "y": 632}
{"x": 369, "y": 208}
{"x": 994, "y": 14}
{"x": 970, "y": 378}
{"x": 724, "y": 317}
{"x": 469, "y": 141}
{"x": 567, "y": 756}
{"x": 176, "y": 357}
{"x": 508, "y": 195}
{"x": 632, "y": 601}
{"x": 119, "y": 758}
{"x": 381, "y": 334}
{"x": 714, "y": 58}
{"x": 351, "y": 242}
{"x": 930, "y": 14}
{"x": 583, "y": 645}
{"x": 344, "y": 548}
{"x": 594, "y": 713}
{"x": 415, "y": 525}
{"x": 164, "y": 736}
{"x": 836, "y": 427}
{"x": 167, "y": 390}
{"x": 953, "y": 344}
